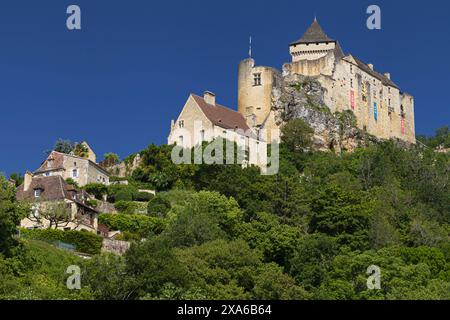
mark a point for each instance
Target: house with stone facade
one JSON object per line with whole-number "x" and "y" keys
{"x": 43, "y": 192}
{"x": 82, "y": 170}
{"x": 202, "y": 119}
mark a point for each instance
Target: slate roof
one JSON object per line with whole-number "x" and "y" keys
{"x": 222, "y": 116}
{"x": 314, "y": 34}
{"x": 385, "y": 80}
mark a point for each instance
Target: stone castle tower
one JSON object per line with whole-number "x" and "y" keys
{"x": 381, "y": 109}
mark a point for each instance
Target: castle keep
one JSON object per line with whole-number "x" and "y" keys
{"x": 380, "y": 108}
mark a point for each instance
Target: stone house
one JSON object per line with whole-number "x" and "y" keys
{"x": 82, "y": 170}
{"x": 203, "y": 120}
{"x": 41, "y": 191}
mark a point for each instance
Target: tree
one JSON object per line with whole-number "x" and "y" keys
{"x": 81, "y": 150}
{"x": 64, "y": 146}
{"x": 151, "y": 265}
{"x": 297, "y": 135}
{"x": 110, "y": 159}
{"x": 10, "y": 215}
{"x": 158, "y": 206}
{"x": 17, "y": 178}
{"x": 209, "y": 216}
{"x": 58, "y": 214}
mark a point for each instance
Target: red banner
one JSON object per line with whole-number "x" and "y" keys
{"x": 352, "y": 99}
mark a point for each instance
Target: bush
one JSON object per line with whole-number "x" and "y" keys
{"x": 158, "y": 207}
{"x": 98, "y": 190}
{"x": 121, "y": 193}
{"x": 84, "y": 241}
{"x": 141, "y": 225}
{"x": 143, "y": 197}
{"x": 126, "y": 207}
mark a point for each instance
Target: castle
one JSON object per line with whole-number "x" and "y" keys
{"x": 380, "y": 108}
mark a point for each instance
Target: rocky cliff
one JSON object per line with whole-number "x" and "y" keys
{"x": 300, "y": 97}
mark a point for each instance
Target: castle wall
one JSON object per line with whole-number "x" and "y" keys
{"x": 254, "y": 99}
{"x": 310, "y": 51}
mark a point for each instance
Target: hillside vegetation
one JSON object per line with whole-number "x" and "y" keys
{"x": 224, "y": 232}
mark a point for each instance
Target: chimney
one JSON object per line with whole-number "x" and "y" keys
{"x": 387, "y": 75}
{"x": 370, "y": 66}
{"x": 27, "y": 180}
{"x": 210, "y": 98}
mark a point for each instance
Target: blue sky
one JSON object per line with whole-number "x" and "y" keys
{"x": 119, "y": 81}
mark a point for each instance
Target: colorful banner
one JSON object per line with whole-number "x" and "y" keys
{"x": 403, "y": 125}
{"x": 375, "y": 111}
{"x": 352, "y": 99}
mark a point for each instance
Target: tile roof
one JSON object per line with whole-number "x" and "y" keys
{"x": 53, "y": 188}
{"x": 222, "y": 116}
{"x": 53, "y": 162}
{"x": 314, "y": 34}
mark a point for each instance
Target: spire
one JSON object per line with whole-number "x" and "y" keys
{"x": 314, "y": 34}
{"x": 250, "y": 47}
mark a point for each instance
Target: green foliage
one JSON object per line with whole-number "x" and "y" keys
{"x": 143, "y": 196}
{"x": 81, "y": 150}
{"x": 208, "y": 216}
{"x": 10, "y": 215}
{"x": 38, "y": 272}
{"x": 152, "y": 265}
{"x": 84, "y": 241}
{"x": 64, "y": 146}
{"x": 441, "y": 138}
{"x": 72, "y": 182}
{"x": 126, "y": 207}
{"x": 121, "y": 192}
{"x": 98, "y": 190}
{"x": 141, "y": 225}
{"x": 110, "y": 159}
{"x": 17, "y": 178}
{"x": 297, "y": 135}
{"x": 158, "y": 207}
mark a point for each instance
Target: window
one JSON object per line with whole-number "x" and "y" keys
{"x": 37, "y": 193}
{"x": 75, "y": 173}
{"x": 351, "y": 69}
{"x": 181, "y": 124}
{"x": 249, "y": 110}
{"x": 257, "y": 79}
{"x": 351, "y": 83}
{"x": 47, "y": 174}
{"x": 181, "y": 140}
{"x": 202, "y": 135}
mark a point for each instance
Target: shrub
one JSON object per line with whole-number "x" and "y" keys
{"x": 141, "y": 225}
{"x": 121, "y": 192}
{"x": 84, "y": 241}
{"x": 143, "y": 197}
{"x": 158, "y": 207}
{"x": 98, "y": 190}
{"x": 126, "y": 207}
